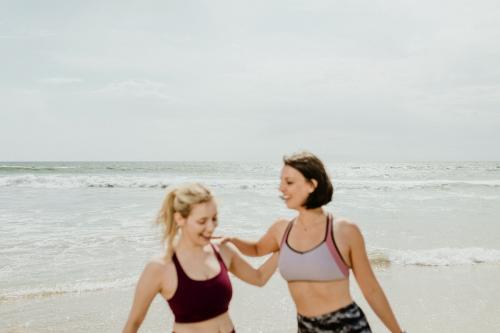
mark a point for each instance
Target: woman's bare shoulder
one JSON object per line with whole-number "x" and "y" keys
{"x": 278, "y": 227}
{"x": 347, "y": 228}
{"x": 160, "y": 264}
{"x": 280, "y": 223}
{"x": 160, "y": 274}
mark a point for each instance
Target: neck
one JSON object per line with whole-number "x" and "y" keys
{"x": 310, "y": 216}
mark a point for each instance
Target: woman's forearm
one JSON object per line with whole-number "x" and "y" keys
{"x": 248, "y": 248}
{"x": 267, "y": 269}
{"x": 380, "y": 305}
{"x": 131, "y": 327}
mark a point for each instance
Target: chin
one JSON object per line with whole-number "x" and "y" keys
{"x": 204, "y": 241}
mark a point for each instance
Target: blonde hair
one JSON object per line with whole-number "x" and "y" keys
{"x": 179, "y": 199}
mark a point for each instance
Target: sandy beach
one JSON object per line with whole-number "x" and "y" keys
{"x": 450, "y": 299}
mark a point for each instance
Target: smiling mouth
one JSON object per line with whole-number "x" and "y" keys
{"x": 284, "y": 197}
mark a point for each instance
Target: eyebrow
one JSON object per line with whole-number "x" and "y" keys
{"x": 207, "y": 217}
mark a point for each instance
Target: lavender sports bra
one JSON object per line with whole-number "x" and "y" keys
{"x": 321, "y": 263}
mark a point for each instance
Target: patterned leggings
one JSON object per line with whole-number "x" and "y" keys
{"x": 349, "y": 319}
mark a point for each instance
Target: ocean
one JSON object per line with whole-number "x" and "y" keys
{"x": 74, "y": 237}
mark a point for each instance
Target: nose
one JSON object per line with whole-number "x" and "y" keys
{"x": 282, "y": 187}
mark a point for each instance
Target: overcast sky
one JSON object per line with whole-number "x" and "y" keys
{"x": 249, "y": 80}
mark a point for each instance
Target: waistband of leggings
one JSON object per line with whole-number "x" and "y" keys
{"x": 348, "y": 307}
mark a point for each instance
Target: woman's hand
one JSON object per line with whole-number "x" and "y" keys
{"x": 222, "y": 239}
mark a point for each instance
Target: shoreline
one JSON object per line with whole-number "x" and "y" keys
{"x": 456, "y": 299}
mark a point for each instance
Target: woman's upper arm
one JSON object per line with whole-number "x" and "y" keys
{"x": 360, "y": 263}
{"x": 236, "y": 264}
{"x": 148, "y": 286}
{"x": 270, "y": 242}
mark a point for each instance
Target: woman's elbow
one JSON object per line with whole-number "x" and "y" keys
{"x": 256, "y": 251}
{"x": 261, "y": 283}
{"x": 260, "y": 280}
{"x": 264, "y": 279}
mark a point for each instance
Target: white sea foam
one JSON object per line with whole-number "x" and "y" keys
{"x": 136, "y": 181}
{"x": 416, "y": 184}
{"x": 435, "y": 257}
{"x": 34, "y": 168}
{"x": 77, "y": 181}
{"x": 5, "y": 271}
{"x": 67, "y": 288}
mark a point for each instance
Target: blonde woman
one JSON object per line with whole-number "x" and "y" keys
{"x": 317, "y": 253}
{"x": 193, "y": 274}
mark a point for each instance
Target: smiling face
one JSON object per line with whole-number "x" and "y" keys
{"x": 295, "y": 187}
{"x": 200, "y": 224}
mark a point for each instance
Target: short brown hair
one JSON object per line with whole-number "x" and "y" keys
{"x": 311, "y": 167}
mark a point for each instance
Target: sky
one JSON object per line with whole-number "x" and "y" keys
{"x": 249, "y": 80}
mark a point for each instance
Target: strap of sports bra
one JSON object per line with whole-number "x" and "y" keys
{"x": 329, "y": 228}
{"x": 287, "y": 231}
{"x": 330, "y": 239}
{"x": 218, "y": 256}
{"x": 216, "y": 251}
{"x": 178, "y": 267}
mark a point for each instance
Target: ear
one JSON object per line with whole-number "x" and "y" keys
{"x": 314, "y": 183}
{"x": 179, "y": 219}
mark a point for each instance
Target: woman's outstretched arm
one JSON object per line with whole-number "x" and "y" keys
{"x": 371, "y": 289}
{"x": 266, "y": 244}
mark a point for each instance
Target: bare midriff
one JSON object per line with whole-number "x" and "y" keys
{"x": 314, "y": 298}
{"x": 219, "y": 324}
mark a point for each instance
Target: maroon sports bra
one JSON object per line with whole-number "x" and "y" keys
{"x": 199, "y": 300}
